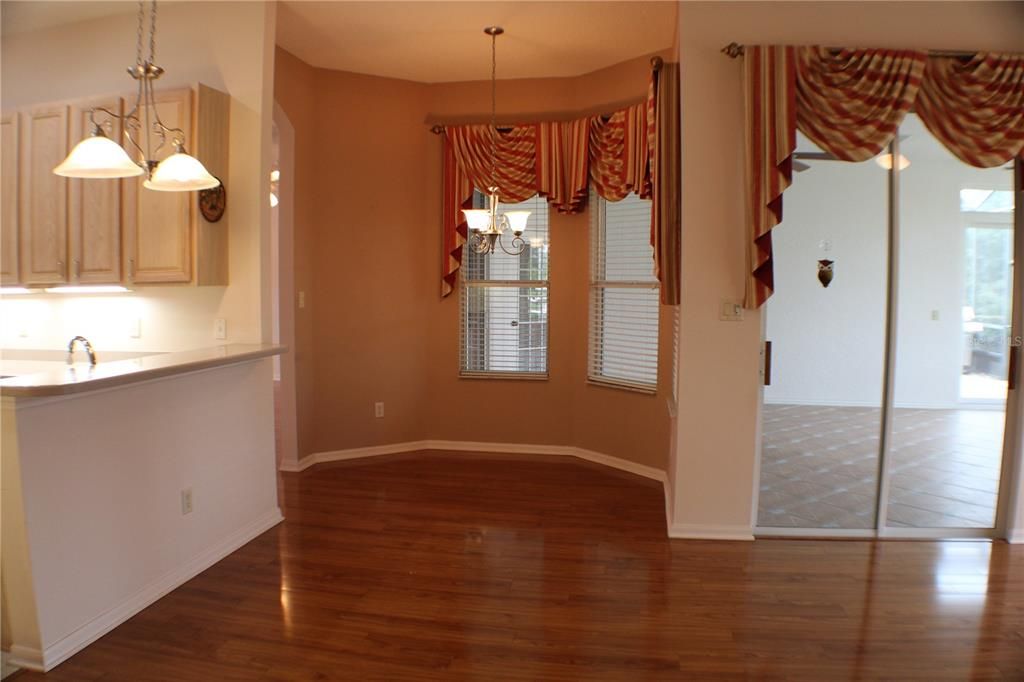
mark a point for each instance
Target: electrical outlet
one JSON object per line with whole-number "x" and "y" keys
{"x": 220, "y": 329}
{"x": 135, "y": 327}
{"x": 935, "y": 316}
{"x": 378, "y": 410}
{"x": 186, "y": 501}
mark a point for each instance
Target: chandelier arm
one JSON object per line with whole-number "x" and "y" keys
{"x": 518, "y": 245}
{"x": 132, "y": 122}
{"x": 102, "y": 110}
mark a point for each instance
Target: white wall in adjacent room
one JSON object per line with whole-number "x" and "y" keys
{"x": 828, "y": 344}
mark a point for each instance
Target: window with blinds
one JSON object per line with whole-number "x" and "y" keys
{"x": 624, "y": 296}
{"x": 504, "y": 307}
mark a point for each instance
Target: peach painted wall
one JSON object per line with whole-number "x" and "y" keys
{"x": 375, "y": 327}
{"x": 715, "y": 465}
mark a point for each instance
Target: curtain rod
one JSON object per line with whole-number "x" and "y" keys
{"x": 734, "y": 50}
{"x": 656, "y": 64}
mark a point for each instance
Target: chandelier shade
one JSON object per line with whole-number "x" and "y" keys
{"x": 98, "y": 156}
{"x": 479, "y": 219}
{"x": 180, "y": 172}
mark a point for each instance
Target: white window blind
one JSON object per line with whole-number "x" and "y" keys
{"x": 624, "y": 306}
{"x": 504, "y": 307}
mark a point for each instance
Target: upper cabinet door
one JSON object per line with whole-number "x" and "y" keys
{"x": 159, "y": 225}
{"x": 9, "y": 272}
{"x": 94, "y": 206}
{"x": 44, "y": 216}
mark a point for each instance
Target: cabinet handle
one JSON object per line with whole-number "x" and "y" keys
{"x": 60, "y": 266}
{"x": 131, "y": 268}
{"x": 78, "y": 268}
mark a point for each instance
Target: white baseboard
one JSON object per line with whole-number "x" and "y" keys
{"x": 1015, "y": 537}
{"x": 100, "y": 625}
{"x": 477, "y": 446}
{"x": 686, "y": 531}
{"x": 21, "y": 657}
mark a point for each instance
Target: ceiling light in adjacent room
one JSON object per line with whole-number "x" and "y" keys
{"x": 885, "y": 161}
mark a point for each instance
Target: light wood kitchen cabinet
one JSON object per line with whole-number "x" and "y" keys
{"x": 9, "y": 272}
{"x": 158, "y": 225}
{"x": 94, "y": 205}
{"x": 97, "y": 231}
{"x": 167, "y": 240}
{"x": 43, "y": 225}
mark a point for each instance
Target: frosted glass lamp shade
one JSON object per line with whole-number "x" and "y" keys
{"x": 479, "y": 219}
{"x": 180, "y": 172}
{"x": 517, "y": 221}
{"x": 98, "y": 156}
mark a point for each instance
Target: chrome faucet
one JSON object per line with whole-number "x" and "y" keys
{"x": 88, "y": 350}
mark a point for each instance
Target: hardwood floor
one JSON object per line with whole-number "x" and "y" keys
{"x": 443, "y": 566}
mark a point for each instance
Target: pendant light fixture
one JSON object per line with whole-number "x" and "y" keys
{"x": 486, "y": 225}
{"x": 97, "y": 156}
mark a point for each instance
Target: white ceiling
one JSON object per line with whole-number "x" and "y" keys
{"x": 444, "y": 41}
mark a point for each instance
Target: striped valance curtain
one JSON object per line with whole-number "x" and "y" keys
{"x": 850, "y": 103}
{"x": 558, "y": 159}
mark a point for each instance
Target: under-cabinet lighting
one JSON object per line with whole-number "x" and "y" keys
{"x": 16, "y": 291}
{"x": 98, "y": 289}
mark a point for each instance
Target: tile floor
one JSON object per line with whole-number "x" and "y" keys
{"x": 819, "y": 466}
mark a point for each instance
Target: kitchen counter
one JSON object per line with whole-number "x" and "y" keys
{"x": 55, "y": 378}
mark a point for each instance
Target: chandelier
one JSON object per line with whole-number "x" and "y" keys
{"x": 486, "y": 225}
{"x": 97, "y": 156}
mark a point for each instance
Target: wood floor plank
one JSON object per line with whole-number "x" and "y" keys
{"x": 455, "y": 566}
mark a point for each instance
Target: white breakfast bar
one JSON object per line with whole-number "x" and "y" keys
{"x": 121, "y": 481}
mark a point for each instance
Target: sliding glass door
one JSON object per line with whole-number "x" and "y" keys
{"x": 885, "y": 398}
{"x": 955, "y": 287}
{"x": 822, "y": 414}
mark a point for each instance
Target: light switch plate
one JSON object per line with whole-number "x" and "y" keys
{"x": 302, "y": 299}
{"x": 220, "y": 329}
{"x": 730, "y": 311}
{"x": 135, "y": 327}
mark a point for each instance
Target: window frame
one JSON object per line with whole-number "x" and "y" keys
{"x": 522, "y": 285}
{"x": 598, "y": 230}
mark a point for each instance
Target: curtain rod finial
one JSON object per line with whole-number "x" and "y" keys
{"x": 656, "y": 63}
{"x": 733, "y": 50}
{"x": 437, "y": 129}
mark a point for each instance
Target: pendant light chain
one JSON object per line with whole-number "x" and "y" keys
{"x": 152, "y": 34}
{"x": 494, "y": 109}
{"x": 138, "y": 40}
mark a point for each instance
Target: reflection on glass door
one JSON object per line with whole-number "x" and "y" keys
{"x": 954, "y": 324}
{"x": 821, "y": 419}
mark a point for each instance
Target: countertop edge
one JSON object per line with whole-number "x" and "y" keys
{"x": 185, "y": 366}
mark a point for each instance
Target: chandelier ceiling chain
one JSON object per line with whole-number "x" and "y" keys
{"x": 98, "y": 156}
{"x": 486, "y": 225}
